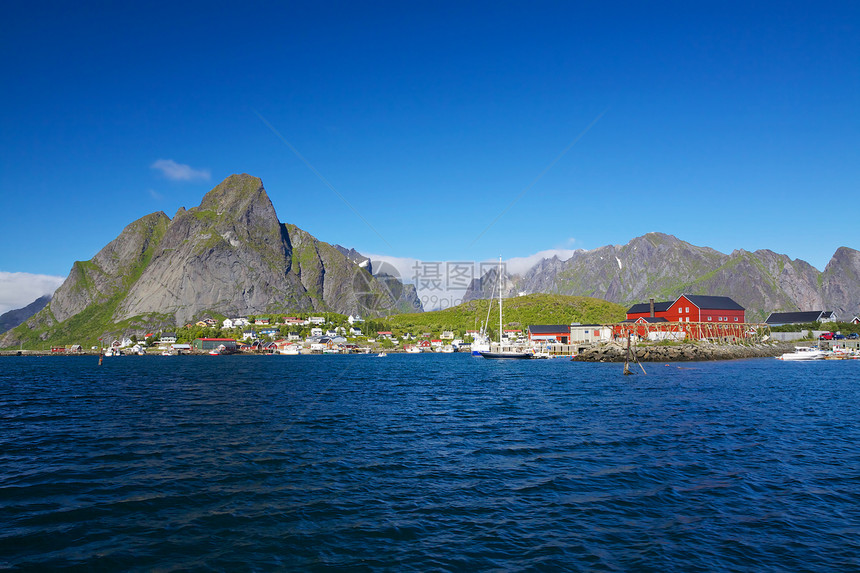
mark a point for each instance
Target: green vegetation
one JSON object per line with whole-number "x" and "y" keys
{"x": 519, "y": 313}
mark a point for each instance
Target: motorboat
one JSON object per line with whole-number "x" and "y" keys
{"x": 804, "y": 353}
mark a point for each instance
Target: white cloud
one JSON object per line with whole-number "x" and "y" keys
{"x": 519, "y": 265}
{"x": 404, "y": 266}
{"x": 179, "y": 172}
{"x": 17, "y": 290}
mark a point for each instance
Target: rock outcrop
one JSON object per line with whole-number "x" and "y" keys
{"x": 230, "y": 255}
{"x": 616, "y": 352}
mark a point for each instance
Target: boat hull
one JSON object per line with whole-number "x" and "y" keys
{"x": 507, "y": 355}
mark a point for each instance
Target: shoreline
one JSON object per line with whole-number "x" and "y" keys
{"x": 686, "y": 352}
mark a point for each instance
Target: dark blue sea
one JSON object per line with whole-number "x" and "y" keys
{"x": 427, "y": 463}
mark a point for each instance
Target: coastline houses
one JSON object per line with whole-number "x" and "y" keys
{"x": 802, "y": 317}
{"x": 202, "y": 344}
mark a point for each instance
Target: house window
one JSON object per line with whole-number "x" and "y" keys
{"x": 736, "y": 319}
{"x": 709, "y": 318}
{"x": 687, "y": 310}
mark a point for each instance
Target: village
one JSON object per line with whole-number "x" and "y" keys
{"x": 715, "y": 319}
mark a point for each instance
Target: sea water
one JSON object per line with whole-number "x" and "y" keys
{"x": 427, "y": 462}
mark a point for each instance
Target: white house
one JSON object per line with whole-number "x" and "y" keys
{"x": 167, "y": 338}
{"x": 590, "y": 333}
{"x": 354, "y": 319}
{"x": 316, "y": 320}
{"x": 447, "y": 335}
{"x": 355, "y": 331}
{"x": 316, "y": 331}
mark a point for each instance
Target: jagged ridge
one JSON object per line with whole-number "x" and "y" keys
{"x": 230, "y": 255}
{"x": 664, "y": 267}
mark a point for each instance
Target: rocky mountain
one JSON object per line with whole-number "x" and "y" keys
{"x": 663, "y": 267}
{"x": 15, "y": 317}
{"x": 230, "y": 255}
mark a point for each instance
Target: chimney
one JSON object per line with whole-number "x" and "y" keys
{"x": 652, "y": 307}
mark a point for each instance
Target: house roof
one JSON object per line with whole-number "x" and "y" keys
{"x": 794, "y": 317}
{"x": 662, "y": 306}
{"x": 548, "y": 328}
{"x": 712, "y": 302}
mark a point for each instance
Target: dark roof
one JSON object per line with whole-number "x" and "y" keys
{"x": 651, "y": 319}
{"x": 713, "y": 302}
{"x": 548, "y": 328}
{"x": 794, "y": 317}
{"x": 662, "y": 306}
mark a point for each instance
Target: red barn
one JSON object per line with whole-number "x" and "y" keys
{"x": 703, "y": 308}
{"x": 691, "y": 308}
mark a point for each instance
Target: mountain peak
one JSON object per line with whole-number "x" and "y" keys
{"x": 236, "y": 191}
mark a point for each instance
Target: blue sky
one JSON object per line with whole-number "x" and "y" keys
{"x": 458, "y": 131}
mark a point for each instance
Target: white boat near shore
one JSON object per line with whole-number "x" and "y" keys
{"x": 804, "y": 353}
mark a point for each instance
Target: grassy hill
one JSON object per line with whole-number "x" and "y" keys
{"x": 519, "y": 313}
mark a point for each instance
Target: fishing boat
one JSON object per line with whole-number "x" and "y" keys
{"x": 804, "y": 353}
{"x": 501, "y": 353}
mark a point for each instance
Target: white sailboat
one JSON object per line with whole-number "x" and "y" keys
{"x": 502, "y": 353}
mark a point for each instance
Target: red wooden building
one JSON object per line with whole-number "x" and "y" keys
{"x": 694, "y": 316}
{"x": 549, "y": 333}
{"x": 691, "y": 308}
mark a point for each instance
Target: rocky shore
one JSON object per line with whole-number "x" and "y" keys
{"x": 616, "y": 352}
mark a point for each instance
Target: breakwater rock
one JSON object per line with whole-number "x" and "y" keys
{"x": 616, "y": 352}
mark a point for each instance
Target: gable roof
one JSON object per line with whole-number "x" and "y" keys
{"x": 641, "y": 307}
{"x": 548, "y": 328}
{"x": 794, "y": 317}
{"x": 712, "y": 302}
{"x": 651, "y": 319}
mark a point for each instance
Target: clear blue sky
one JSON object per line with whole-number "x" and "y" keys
{"x": 727, "y": 124}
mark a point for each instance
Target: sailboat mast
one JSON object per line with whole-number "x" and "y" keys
{"x": 500, "y": 302}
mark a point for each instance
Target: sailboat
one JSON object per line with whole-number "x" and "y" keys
{"x": 501, "y": 352}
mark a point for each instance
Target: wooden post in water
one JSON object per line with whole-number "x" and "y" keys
{"x": 627, "y": 371}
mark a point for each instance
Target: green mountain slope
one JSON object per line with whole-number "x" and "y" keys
{"x": 518, "y": 313}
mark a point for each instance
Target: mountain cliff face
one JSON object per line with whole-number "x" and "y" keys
{"x": 664, "y": 267}
{"x": 230, "y": 255}
{"x": 15, "y": 317}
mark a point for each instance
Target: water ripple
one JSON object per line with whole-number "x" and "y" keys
{"x": 427, "y": 463}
